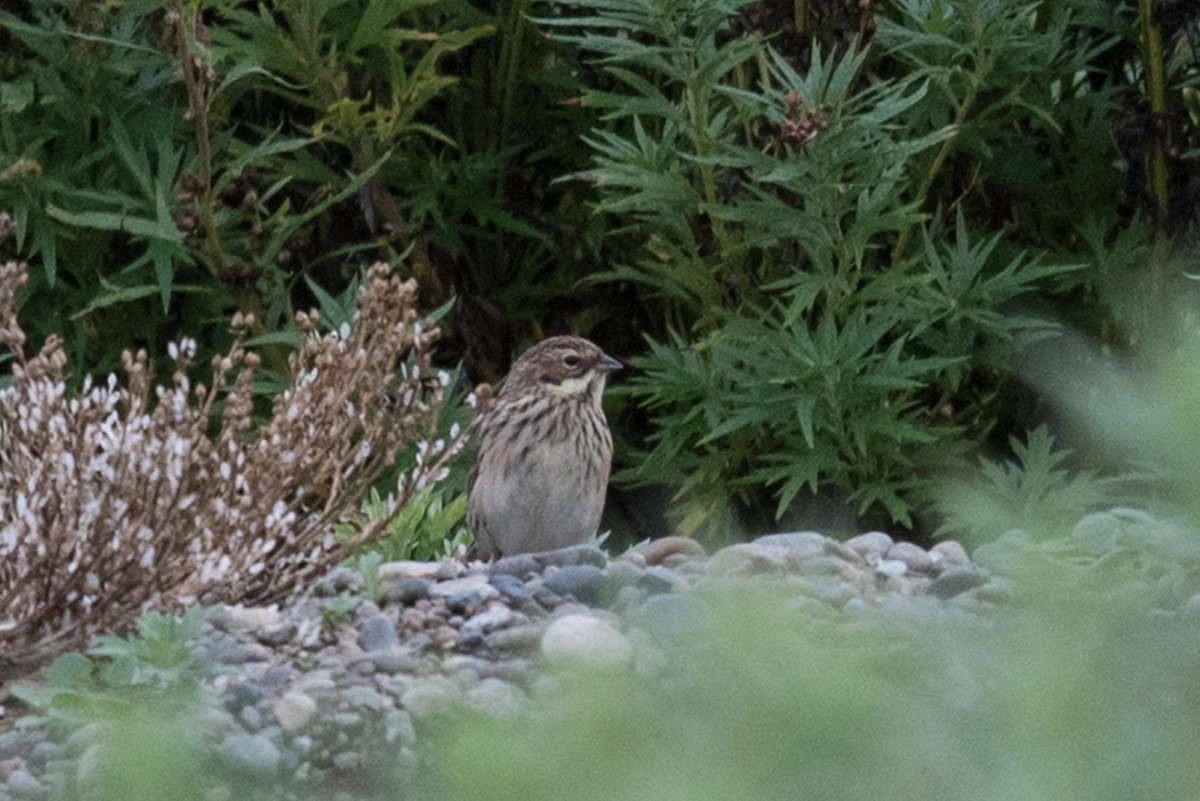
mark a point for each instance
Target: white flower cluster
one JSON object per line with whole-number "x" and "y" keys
{"x": 120, "y": 497}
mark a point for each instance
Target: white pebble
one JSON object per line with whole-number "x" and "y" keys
{"x": 583, "y": 640}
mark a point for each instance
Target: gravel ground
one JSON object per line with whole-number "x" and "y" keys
{"x": 320, "y": 692}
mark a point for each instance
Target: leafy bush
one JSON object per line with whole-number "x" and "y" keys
{"x": 775, "y": 204}
{"x": 1035, "y": 494}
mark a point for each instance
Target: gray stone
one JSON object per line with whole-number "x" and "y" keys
{"x": 574, "y": 555}
{"x": 278, "y": 634}
{"x": 352, "y": 721}
{"x": 347, "y": 760}
{"x": 635, "y": 558}
{"x": 365, "y": 698}
{"x": 251, "y": 718}
{"x": 496, "y": 697}
{"x": 392, "y": 573}
{"x": 232, "y": 652}
{"x": 407, "y": 591}
{"x": 916, "y": 557}
{"x": 398, "y": 727}
{"x": 1006, "y": 553}
{"x": 518, "y": 566}
{"x": 660, "y": 550}
{"x": 584, "y": 583}
{"x": 822, "y": 565}
{"x": 671, "y": 618}
{"x": 398, "y": 659}
{"x": 278, "y": 676}
{"x": 378, "y": 633}
{"x": 23, "y": 784}
{"x": 751, "y": 557}
{"x": 494, "y": 617}
{"x": 14, "y": 744}
{"x": 584, "y": 640}
{"x": 855, "y": 606}
{"x": 1097, "y": 534}
{"x": 345, "y": 580}
{"x": 956, "y": 580}
{"x": 890, "y": 568}
{"x": 294, "y": 710}
{"x": 511, "y": 587}
{"x": 251, "y": 752}
{"x": 87, "y": 767}
{"x": 950, "y": 551}
{"x": 472, "y": 586}
{"x": 366, "y": 610}
{"x": 834, "y": 591}
{"x": 807, "y": 542}
{"x": 243, "y": 693}
{"x": 431, "y": 695}
{"x": 657, "y": 579}
{"x": 872, "y": 542}
{"x": 997, "y": 591}
{"x": 245, "y": 619}
{"x": 623, "y": 572}
{"x": 629, "y": 598}
{"x": 43, "y": 753}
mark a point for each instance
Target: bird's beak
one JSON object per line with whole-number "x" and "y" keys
{"x": 607, "y": 364}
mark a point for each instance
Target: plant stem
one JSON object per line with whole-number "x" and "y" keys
{"x": 198, "y": 102}
{"x": 1152, "y": 57}
{"x": 939, "y": 159}
{"x": 510, "y": 64}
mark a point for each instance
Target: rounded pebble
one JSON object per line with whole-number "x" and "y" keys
{"x": 294, "y": 710}
{"x": 377, "y": 633}
{"x": 584, "y": 583}
{"x": 914, "y": 556}
{"x": 583, "y": 640}
{"x": 309, "y": 692}
{"x": 23, "y": 784}
{"x": 956, "y": 580}
{"x": 251, "y": 752}
{"x": 656, "y": 551}
{"x": 950, "y": 551}
{"x": 872, "y": 542}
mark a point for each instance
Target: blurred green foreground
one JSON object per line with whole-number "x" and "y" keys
{"x": 1081, "y": 694}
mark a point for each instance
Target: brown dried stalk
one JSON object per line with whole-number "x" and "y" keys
{"x": 118, "y": 500}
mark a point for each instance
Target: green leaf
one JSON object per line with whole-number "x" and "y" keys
{"x": 117, "y": 221}
{"x": 69, "y": 670}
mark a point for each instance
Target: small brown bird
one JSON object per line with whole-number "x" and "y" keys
{"x": 545, "y": 452}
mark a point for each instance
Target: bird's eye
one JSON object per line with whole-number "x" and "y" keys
{"x": 571, "y": 360}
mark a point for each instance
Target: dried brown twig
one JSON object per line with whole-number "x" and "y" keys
{"x": 117, "y": 499}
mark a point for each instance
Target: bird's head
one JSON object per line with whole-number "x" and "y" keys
{"x": 564, "y": 366}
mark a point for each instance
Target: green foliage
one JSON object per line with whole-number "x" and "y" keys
{"x": 429, "y": 527}
{"x": 1123, "y": 555}
{"x": 790, "y": 408}
{"x": 1036, "y": 494}
{"x": 774, "y": 200}
{"x": 1015, "y": 85}
{"x": 118, "y": 673}
{"x": 894, "y": 707}
{"x": 169, "y": 165}
{"x": 924, "y": 182}
{"x": 91, "y": 152}
{"x": 1137, "y": 408}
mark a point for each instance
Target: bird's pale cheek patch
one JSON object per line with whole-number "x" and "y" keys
{"x": 570, "y": 386}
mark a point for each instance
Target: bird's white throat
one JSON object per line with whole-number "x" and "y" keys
{"x": 571, "y": 386}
